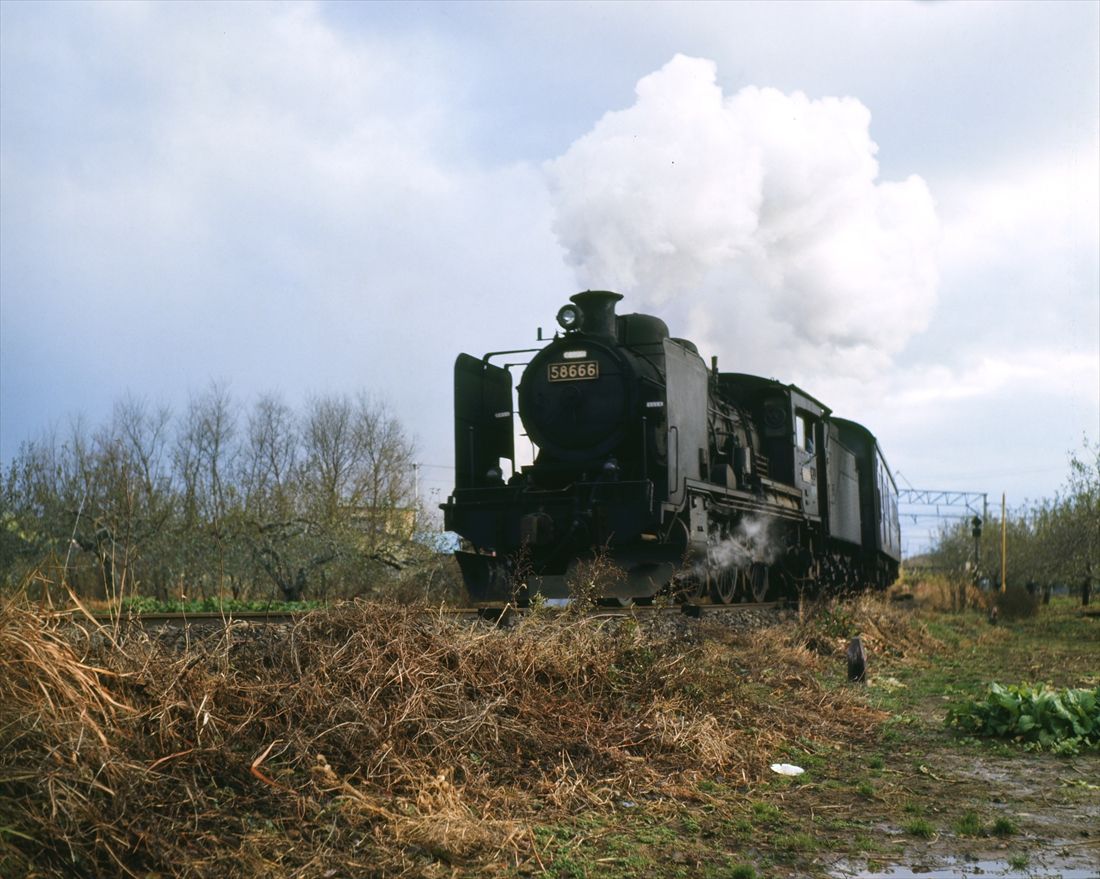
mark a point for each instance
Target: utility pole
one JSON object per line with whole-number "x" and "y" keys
{"x": 1004, "y": 540}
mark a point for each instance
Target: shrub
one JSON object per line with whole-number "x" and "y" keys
{"x": 1016, "y": 604}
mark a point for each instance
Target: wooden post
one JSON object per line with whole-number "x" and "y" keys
{"x": 857, "y": 661}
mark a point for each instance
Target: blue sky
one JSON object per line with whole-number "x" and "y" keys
{"x": 323, "y": 198}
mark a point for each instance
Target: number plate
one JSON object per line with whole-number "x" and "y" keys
{"x": 577, "y": 370}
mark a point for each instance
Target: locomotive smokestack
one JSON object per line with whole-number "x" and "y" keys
{"x": 598, "y": 308}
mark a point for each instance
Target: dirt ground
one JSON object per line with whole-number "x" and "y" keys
{"x": 1052, "y": 804}
{"x": 931, "y": 803}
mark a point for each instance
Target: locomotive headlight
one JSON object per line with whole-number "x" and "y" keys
{"x": 569, "y": 317}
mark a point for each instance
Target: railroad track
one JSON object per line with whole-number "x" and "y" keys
{"x": 637, "y": 610}
{"x": 203, "y": 618}
{"x": 504, "y": 613}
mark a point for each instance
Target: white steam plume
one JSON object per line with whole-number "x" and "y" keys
{"x": 753, "y": 540}
{"x": 757, "y": 217}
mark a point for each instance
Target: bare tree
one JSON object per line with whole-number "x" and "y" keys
{"x": 286, "y": 543}
{"x": 269, "y": 458}
{"x": 139, "y": 439}
{"x": 334, "y": 457}
{"x": 1051, "y": 541}
{"x": 301, "y": 504}
{"x": 386, "y": 509}
{"x": 42, "y": 495}
{"x": 204, "y": 463}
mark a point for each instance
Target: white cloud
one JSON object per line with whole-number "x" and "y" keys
{"x": 1025, "y": 210}
{"x": 1056, "y": 373}
{"x": 260, "y": 198}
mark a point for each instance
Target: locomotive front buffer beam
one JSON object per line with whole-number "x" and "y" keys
{"x": 538, "y": 541}
{"x": 622, "y": 571}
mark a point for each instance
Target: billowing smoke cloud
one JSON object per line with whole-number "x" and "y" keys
{"x": 755, "y": 219}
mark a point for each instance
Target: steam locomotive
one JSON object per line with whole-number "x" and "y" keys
{"x": 669, "y": 477}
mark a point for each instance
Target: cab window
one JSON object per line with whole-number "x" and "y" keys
{"x": 803, "y": 430}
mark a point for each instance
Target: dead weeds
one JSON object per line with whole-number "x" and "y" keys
{"x": 375, "y": 739}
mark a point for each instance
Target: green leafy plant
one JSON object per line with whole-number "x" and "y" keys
{"x": 836, "y": 621}
{"x": 1063, "y": 721}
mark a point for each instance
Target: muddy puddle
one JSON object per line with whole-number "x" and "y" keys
{"x": 952, "y": 869}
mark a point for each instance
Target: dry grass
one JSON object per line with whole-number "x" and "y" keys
{"x": 886, "y": 628}
{"x": 374, "y": 739}
{"x": 940, "y": 592}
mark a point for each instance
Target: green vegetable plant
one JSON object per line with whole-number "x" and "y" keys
{"x": 1064, "y": 721}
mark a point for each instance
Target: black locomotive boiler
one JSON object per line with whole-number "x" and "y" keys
{"x": 688, "y": 481}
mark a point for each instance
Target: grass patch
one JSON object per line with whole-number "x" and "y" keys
{"x": 139, "y": 604}
{"x": 795, "y": 842}
{"x": 1004, "y": 827}
{"x": 920, "y": 828}
{"x": 863, "y": 843}
{"x": 969, "y": 825}
{"x": 766, "y": 813}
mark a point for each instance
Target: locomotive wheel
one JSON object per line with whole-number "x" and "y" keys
{"x": 688, "y": 589}
{"x": 744, "y": 584}
{"x": 723, "y": 586}
{"x": 759, "y": 581}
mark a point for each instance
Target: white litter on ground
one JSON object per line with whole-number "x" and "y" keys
{"x": 787, "y": 769}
